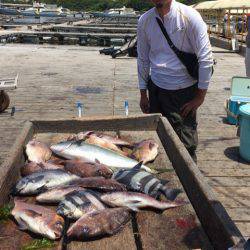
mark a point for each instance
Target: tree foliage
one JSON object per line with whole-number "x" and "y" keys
{"x": 100, "y": 5}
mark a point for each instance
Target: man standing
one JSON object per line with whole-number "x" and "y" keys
{"x": 165, "y": 84}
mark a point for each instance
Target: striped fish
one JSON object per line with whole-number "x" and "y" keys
{"x": 78, "y": 203}
{"x": 144, "y": 182}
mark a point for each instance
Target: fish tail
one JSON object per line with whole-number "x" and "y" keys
{"x": 70, "y": 232}
{"x": 133, "y": 207}
{"x": 171, "y": 194}
{"x": 173, "y": 204}
{"x": 149, "y": 170}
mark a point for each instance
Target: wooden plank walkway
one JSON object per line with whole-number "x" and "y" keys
{"x": 54, "y": 78}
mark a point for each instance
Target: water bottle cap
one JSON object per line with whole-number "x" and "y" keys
{"x": 79, "y": 104}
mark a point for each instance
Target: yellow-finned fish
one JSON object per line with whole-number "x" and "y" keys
{"x": 93, "y": 153}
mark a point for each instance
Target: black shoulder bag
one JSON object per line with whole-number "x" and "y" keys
{"x": 189, "y": 60}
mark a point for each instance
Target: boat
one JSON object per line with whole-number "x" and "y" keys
{"x": 117, "y": 12}
{"x": 121, "y": 12}
{"x": 46, "y": 10}
{"x": 51, "y": 10}
{"x": 9, "y": 11}
{"x": 30, "y": 12}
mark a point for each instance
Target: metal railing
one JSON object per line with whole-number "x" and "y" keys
{"x": 228, "y": 24}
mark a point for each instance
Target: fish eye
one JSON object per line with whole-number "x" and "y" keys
{"x": 99, "y": 172}
{"x": 85, "y": 230}
{"x": 22, "y": 183}
{"x": 59, "y": 224}
{"x": 70, "y": 214}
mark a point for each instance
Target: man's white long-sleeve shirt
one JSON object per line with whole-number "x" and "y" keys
{"x": 188, "y": 32}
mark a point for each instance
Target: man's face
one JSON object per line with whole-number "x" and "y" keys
{"x": 161, "y": 3}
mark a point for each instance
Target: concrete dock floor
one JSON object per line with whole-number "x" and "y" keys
{"x": 53, "y": 78}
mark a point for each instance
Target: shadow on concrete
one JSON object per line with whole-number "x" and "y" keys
{"x": 5, "y": 113}
{"x": 232, "y": 153}
{"x": 195, "y": 239}
{"x": 241, "y": 160}
{"x": 225, "y": 121}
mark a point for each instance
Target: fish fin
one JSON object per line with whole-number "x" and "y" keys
{"x": 171, "y": 194}
{"x": 41, "y": 165}
{"x": 97, "y": 161}
{"x": 164, "y": 182}
{"x": 22, "y": 224}
{"x": 160, "y": 171}
{"x": 79, "y": 142}
{"x": 133, "y": 208}
{"x": 42, "y": 189}
{"x": 151, "y": 145}
{"x": 32, "y": 213}
{"x": 137, "y": 166}
{"x": 150, "y": 170}
{"x": 85, "y": 135}
{"x": 155, "y": 195}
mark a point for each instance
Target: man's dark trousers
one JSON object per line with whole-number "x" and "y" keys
{"x": 169, "y": 103}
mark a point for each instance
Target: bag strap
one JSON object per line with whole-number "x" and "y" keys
{"x": 165, "y": 33}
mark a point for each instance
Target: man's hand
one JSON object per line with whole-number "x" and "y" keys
{"x": 193, "y": 105}
{"x": 144, "y": 102}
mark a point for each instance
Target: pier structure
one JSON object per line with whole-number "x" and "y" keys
{"x": 52, "y": 79}
{"x": 82, "y": 33}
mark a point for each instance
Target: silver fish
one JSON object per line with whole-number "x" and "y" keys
{"x": 94, "y": 139}
{"x": 38, "y": 151}
{"x": 78, "y": 203}
{"x": 93, "y": 153}
{"x": 38, "y": 219}
{"x": 99, "y": 223}
{"x": 136, "y": 201}
{"x": 42, "y": 181}
{"x": 55, "y": 195}
{"x": 141, "y": 181}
